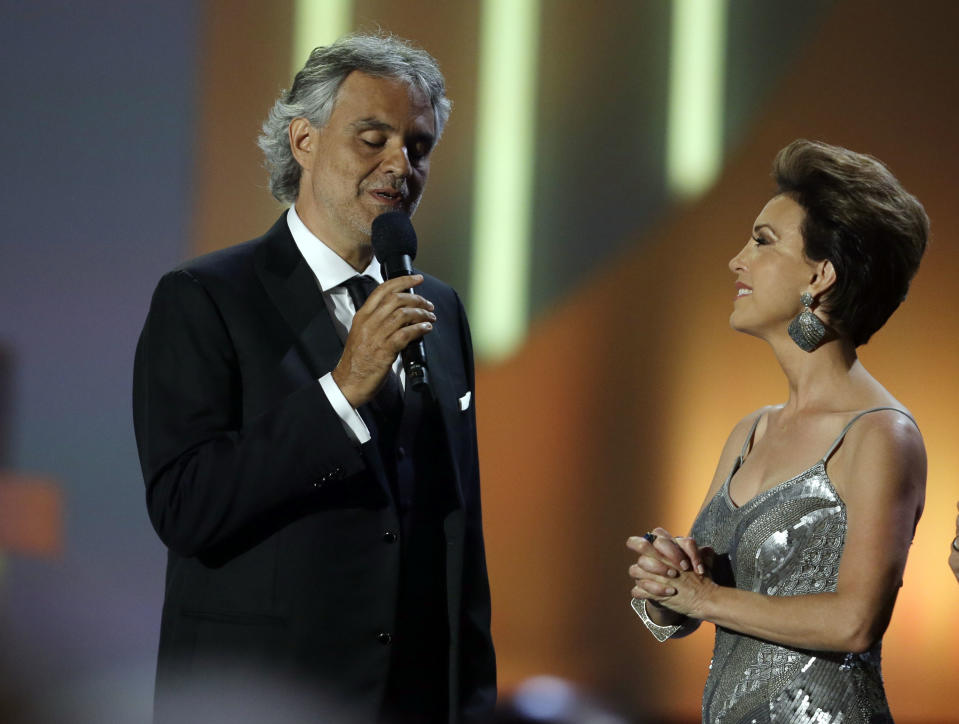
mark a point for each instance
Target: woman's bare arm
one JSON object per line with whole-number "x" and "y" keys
{"x": 667, "y": 557}
{"x": 880, "y": 474}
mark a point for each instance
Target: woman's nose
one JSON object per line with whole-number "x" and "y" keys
{"x": 736, "y": 264}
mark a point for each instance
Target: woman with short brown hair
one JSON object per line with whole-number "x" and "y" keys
{"x": 798, "y": 551}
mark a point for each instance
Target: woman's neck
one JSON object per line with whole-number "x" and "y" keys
{"x": 829, "y": 378}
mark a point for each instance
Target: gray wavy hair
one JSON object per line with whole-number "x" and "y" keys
{"x": 315, "y": 87}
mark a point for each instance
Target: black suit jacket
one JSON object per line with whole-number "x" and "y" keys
{"x": 282, "y": 536}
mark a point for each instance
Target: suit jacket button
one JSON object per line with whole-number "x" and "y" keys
{"x": 384, "y": 638}
{"x": 389, "y": 537}
{"x": 401, "y": 452}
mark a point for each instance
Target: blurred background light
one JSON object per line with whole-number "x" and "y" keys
{"x": 696, "y": 80}
{"x": 315, "y": 23}
{"x": 499, "y": 269}
{"x": 579, "y": 449}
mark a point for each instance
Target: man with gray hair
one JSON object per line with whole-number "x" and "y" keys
{"x": 322, "y": 517}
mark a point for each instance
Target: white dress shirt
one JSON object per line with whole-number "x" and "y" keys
{"x": 331, "y": 270}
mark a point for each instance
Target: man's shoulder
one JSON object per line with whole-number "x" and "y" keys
{"x": 234, "y": 261}
{"x": 220, "y": 262}
{"x": 432, "y": 287}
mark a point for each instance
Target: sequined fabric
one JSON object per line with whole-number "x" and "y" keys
{"x": 787, "y": 541}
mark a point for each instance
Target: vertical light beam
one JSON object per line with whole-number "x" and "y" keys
{"x": 317, "y": 22}
{"x": 502, "y": 201}
{"x": 696, "y": 76}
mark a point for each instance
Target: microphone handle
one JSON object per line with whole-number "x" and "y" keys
{"x": 414, "y": 354}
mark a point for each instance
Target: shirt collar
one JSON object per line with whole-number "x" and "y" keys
{"x": 329, "y": 268}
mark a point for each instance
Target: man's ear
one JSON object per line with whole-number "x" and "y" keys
{"x": 302, "y": 141}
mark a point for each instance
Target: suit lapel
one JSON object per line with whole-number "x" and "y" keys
{"x": 447, "y": 401}
{"x": 292, "y": 288}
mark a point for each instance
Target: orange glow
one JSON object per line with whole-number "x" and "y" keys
{"x": 581, "y": 449}
{"x": 611, "y": 417}
{"x": 31, "y": 515}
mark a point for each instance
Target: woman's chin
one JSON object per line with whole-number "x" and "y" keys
{"x": 738, "y": 326}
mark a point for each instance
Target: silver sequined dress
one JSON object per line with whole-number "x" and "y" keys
{"x": 787, "y": 541}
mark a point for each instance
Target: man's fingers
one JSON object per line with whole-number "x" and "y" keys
{"x": 410, "y": 315}
{"x": 398, "y": 283}
{"x": 390, "y": 311}
{"x": 404, "y": 335}
{"x": 397, "y": 286}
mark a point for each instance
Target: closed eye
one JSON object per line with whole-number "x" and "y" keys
{"x": 760, "y": 241}
{"x": 420, "y": 149}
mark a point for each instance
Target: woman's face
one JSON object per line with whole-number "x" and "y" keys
{"x": 771, "y": 271}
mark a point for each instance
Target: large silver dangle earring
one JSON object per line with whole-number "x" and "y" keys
{"x": 807, "y": 330}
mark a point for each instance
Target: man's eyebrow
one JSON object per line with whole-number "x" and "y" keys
{"x": 371, "y": 124}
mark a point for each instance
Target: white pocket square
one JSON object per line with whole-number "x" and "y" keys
{"x": 465, "y": 401}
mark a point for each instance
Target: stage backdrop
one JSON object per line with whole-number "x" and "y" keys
{"x": 131, "y": 145}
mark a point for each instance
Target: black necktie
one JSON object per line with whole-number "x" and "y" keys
{"x": 389, "y": 399}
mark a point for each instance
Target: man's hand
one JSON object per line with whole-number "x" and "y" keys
{"x": 388, "y": 321}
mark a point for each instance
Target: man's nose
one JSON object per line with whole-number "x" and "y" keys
{"x": 397, "y": 161}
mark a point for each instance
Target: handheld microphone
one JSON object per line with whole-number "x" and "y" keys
{"x": 394, "y": 243}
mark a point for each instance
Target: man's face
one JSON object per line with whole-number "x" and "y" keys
{"x": 372, "y": 156}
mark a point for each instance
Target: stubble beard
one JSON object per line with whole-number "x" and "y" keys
{"x": 355, "y": 217}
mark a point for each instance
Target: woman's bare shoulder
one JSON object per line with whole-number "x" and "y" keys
{"x": 884, "y": 446}
{"x": 891, "y": 431}
{"x": 742, "y": 428}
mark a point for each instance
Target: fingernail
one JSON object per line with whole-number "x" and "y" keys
{"x": 431, "y": 316}
{"x": 684, "y": 565}
{"x": 670, "y": 591}
{"x": 427, "y": 325}
{"x": 672, "y": 573}
{"x": 700, "y": 570}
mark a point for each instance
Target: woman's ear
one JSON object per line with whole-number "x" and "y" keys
{"x": 823, "y": 277}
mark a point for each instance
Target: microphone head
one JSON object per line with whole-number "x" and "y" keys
{"x": 393, "y": 236}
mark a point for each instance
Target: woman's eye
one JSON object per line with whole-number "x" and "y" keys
{"x": 759, "y": 240}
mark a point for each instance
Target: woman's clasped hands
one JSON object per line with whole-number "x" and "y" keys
{"x": 673, "y": 572}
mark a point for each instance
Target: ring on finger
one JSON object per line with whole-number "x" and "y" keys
{"x": 649, "y": 536}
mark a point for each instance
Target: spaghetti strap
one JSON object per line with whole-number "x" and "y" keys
{"x": 749, "y": 438}
{"x": 839, "y": 439}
